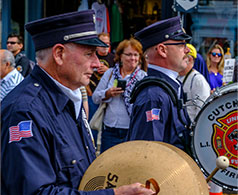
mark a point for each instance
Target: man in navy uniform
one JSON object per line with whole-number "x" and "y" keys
{"x": 156, "y": 114}
{"x": 15, "y": 45}
{"x": 46, "y": 141}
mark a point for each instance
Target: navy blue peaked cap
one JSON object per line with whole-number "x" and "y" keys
{"x": 77, "y": 27}
{"x": 169, "y": 29}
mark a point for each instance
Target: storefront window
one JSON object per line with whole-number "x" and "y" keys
{"x": 214, "y": 24}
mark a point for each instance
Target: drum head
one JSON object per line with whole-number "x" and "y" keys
{"x": 138, "y": 161}
{"x": 216, "y": 134}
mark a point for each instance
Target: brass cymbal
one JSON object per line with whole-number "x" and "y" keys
{"x": 137, "y": 161}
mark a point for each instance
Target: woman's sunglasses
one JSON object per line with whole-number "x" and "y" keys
{"x": 214, "y": 54}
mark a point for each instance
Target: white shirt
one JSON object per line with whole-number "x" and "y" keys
{"x": 75, "y": 95}
{"x": 197, "y": 89}
{"x": 9, "y": 82}
{"x": 101, "y": 17}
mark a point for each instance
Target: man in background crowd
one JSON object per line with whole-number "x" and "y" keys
{"x": 194, "y": 85}
{"x": 10, "y": 77}
{"x": 106, "y": 59}
{"x": 15, "y": 45}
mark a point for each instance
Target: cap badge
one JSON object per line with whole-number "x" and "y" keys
{"x": 166, "y": 36}
{"x": 94, "y": 19}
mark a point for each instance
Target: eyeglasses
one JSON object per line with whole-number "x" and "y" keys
{"x": 180, "y": 43}
{"x": 214, "y": 54}
{"x": 131, "y": 54}
{"x": 11, "y": 42}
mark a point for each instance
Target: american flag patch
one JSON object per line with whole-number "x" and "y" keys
{"x": 22, "y": 130}
{"x": 153, "y": 114}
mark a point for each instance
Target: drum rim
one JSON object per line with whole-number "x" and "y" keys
{"x": 218, "y": 91}
{"x": 194, "y": 153}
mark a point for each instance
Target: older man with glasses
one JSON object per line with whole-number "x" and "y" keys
{"x": 15, "y": 45}
{"x": 158, "y": 112}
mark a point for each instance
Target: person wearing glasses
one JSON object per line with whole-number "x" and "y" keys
{"x": 15, "y": 45}
{"x": 130, "y": 67}
{"x": 155, "y": 116}
{"x": 215, "y": 65}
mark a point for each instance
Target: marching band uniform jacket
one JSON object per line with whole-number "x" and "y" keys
{"x": 155, "y": 117}
{"x": 57, "y": 150}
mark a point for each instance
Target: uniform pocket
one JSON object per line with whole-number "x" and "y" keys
{"x": 68, "y": 168}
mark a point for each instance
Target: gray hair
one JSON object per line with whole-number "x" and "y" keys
{"x": 43, "y": 54}
{"x": 8, "y": 57}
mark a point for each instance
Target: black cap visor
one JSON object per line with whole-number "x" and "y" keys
{"x": 93, "y": 42}
{"x": 182, "y": 37}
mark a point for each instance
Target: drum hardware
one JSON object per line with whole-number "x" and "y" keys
{"x": 217, "y": 92}
{"x": 194, "y": 102}
{"x": 222, "y": 162}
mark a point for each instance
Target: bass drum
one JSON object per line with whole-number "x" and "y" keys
{"x": 215, "y": 133}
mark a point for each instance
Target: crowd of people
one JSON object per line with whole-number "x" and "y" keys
{"x": 45, "y": 111}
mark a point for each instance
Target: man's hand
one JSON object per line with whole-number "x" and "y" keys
{"x": 133, "y": 189}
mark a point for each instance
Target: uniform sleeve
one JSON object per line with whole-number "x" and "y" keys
{"x": 26, "y": 68}
{"x": 30, "y": 170}
{"x": 148, "y": 119}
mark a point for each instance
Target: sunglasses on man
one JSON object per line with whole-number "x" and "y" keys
{"x": 214, "y": 54}
{"x": 12, "y": 42}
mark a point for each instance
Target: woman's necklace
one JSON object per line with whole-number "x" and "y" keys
{"x": 124, "y": 73}
{"x": 214, "y": 70}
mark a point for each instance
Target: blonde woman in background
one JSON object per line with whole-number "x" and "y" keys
{"x": 215, "y": 65}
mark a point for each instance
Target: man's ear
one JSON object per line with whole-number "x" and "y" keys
{"x": 58, "y": 51}
{"x": 161, "y": 50}
{"x": 191, "y": 59}
{"x": 8, "y": 64}
{"x": 21, "y": 46}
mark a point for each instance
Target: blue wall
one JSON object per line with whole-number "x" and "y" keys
{"x": 6, "y": 21}
{"x": 32, "y": 11}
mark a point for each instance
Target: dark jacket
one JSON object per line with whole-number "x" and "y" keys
{"x": 23, "y": 64}
{"x": 58, "y": 148}
{"x": 155, "y": 116}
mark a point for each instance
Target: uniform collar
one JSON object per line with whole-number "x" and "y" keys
{"x": 75, "y": 96}
{"x": 170, "y": 73}
{"x": 157, "y": 71}
{"x": 60, "y": 100}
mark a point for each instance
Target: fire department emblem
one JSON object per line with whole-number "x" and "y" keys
{"x": 225, "y": 137}
{"x": 215, "y": 133}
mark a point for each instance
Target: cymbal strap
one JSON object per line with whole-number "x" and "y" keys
{"x": 154, "y": 183}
